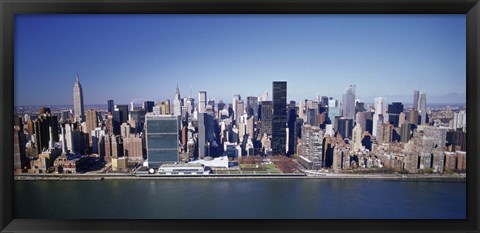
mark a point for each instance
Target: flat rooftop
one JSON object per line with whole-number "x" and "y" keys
{"x": 181, "y": 165}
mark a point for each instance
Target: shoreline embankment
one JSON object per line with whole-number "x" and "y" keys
{"x": 387, "y": 177}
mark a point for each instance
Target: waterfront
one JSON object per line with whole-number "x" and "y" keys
{"x": 240, "y": 199}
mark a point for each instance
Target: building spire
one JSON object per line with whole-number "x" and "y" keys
{"x": 77, "y": 77}
{"x": 177, "y": 91}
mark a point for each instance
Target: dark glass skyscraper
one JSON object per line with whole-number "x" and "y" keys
{"x": 292, "y": 118}
{"x": 252, "y": 106}
{"x": 279, "y": 118}
{"x": 266, "y": 117}
{"x": 394, "y": 111}
{"x": 124, "y": 112}
{"x": 345, "y": 127}
{"x": 148, "y": 106}
{"x": 46, "y": 129}
{"x": 111, "y": 106}
{"x": 162, "y": 140}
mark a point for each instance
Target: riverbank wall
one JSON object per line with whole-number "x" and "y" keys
{"x": 99, "y": 177}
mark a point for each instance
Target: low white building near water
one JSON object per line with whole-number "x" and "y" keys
{"x": 182, "y": 169}
{"x": 220, "y": 162}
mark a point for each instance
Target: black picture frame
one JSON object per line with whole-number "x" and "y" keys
{"x": 9, "y": 8}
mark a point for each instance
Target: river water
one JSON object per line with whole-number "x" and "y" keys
{"x": 240, "y": 199}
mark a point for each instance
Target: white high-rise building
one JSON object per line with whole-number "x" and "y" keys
{"x": 234, "y": 103}
{"x": 459, "y": 120}
{"x": 78, "y": 110}
{"x": 263, "y": 97}
{"x": 348, "y": 102}
{"x": 202, "y": 101}
{"x": 189, "y": 103}
{"x": 401, "y": 119}
{"x": 301, "y": 111}
{"x": 242, "y": 126}
{"x": 380, "y": 109}
{"x": 68, "y": 137}
{"x": 422, "y": 107}
{"x": 97, "y": 134}
{"x": 357, "y": 137}
{"x": 332, "y": 103}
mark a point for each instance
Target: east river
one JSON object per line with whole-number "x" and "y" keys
{"x": 240, "y": 199}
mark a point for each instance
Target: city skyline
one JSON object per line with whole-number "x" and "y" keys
{"x": 347, "y": 49}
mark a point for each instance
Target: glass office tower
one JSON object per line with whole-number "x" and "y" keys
{"x": 162, "y": 140}
{"x": 279, "y": 118}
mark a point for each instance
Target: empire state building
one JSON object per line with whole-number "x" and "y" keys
{"x": 78, "y": 101}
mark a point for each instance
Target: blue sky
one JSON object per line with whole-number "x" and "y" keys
{"x": 142, "y": 57}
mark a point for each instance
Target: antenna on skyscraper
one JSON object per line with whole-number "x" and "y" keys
{"x": 190, "y": 96}
{"x": 76, "y": 71}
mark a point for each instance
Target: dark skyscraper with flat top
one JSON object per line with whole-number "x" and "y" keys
{"x": 279, "y": 118}
{"x": 266, "y": 110}
{"x": 111, "y": 106}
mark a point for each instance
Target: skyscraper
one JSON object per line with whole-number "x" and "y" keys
{"x": 422, "y": 107}
{"x": 238, "y": 111}
{"x": 359, "y": 107}
{"x": 148, "y": 106}
{"x": 205, "y": 133}
{"x": 120, "y": 116}
{"x": 362, "y": 120}
{"x": 189, "y": 103}
{"x": 348, "y": 102}
{"x": 266, "y": 111}
{"x": 234, "y": 107}
{"x": 111, "y": 106}
{"x": 202, "y": 101}
{"x": 385, "y": 134}
{"x": 415, "y": 99}
{"x": 92, "y": 117}
{"x": 324, "y": 101}
{"x": 78, "y": 101}
{"x": 405, "y": 132}
{"x": 279, "y": 118}
{"x": 162, "y": 139}
{"x": 202, "y": 132}
{"x": 401, "y": 119}
{"x": 139, "y": 117}
{"x": 291, "y": 118}
{"x": 380, "y": 109}
{"x": 123, "y": 108}
{"x": 132, "y": 106}
{"x": 43, "y": 125}
{"x": 345, "y": 127}
{"x": 357, "y": 137}
{"x": 19, "y": 153}
{"x": 177, "y": 103}
{"x": 252, "y": 103}
{"x": 394, "y": 111}
{"x": 413, "y": 117}
{"x": 332, "y": 102}
{"x": 165, "y": 105}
